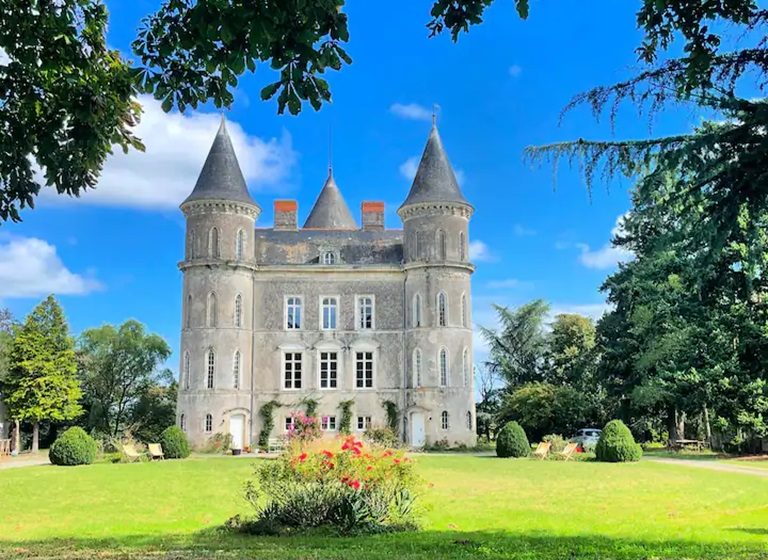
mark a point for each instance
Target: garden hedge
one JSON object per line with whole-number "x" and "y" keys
{"x": 73, "y": 447}
{"x": 175, "y": 443}
{"x": 617, "y": 445}
{"x": 512, "y": 441}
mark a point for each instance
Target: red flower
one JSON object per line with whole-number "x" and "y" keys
{"x": 370, "y": 468}
{"x": 327, "y": 453}
{"x": 303, "y": 457}
{"x": 355, "y": 484}
{"x": 396, "y": 460}
{"x": 387, "y": 453}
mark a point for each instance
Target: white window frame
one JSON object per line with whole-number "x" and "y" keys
{"x": 464, "y": 311}
{"x": 374, "y": 363}
{"x": 441, "y": 309}
{"x": 237, "y": 370}
{"x": 183, "y": 422}
{"x": 418, "y": 362}
{"x": 240, "y": 245}
{"x": 214, "y": 247}
{"x": 328, "y": 423}
{"x": 444, "y": 373}
{"x": 359, "y": 312}
{"x": 416, "y": 319}
{"x": 337, "y": 307}
{"x": 367, "y": 421}
{"x": 210, "y": 368}
{"x": 208, "y": 424}
{"x": 328, "y": 350}
{"x": 445, "y": 423}
{"x": 238, "y": 314}
{"x": 288, "y": 423}
{"x": 329, "y": 258}
{"x": 301, "y": 313}
{"x": 283, "y": 362}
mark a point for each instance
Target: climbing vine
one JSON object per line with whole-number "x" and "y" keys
{"x": 267, "y": 422}
{"x": 310, "y": 406}
{"x": 345, "y": 421}
{"x": 392, "y": 416}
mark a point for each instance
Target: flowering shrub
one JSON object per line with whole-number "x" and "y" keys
{"x": 304, "y": 429}
{"x": 344, "y": 484}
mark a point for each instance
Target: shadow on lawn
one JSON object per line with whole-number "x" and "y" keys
{"x": 426, "y": 545}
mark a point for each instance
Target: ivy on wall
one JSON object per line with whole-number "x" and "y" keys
{"x": 393, "y": 420}
{"x": 267, "y": 422}
{"x": 310, "y": 406}
{"x": 345, "y": 421}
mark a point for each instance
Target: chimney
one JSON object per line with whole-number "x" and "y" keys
{"x": 373, "y": 216}
{"x": 286, "y": 215}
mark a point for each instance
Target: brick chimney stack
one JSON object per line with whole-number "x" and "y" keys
{"x": 286, "y": 215}
{"x": 373, "y": 216}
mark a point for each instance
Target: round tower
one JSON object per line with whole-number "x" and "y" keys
{"x": 438, "y": 331}
{"x": 217, "y": 308}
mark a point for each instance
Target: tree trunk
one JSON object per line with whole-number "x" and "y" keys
{"x": 707, "y": 426}
{"x": 17, "y": 437}
{"x": 35, "y": 437}
{"x": 672, "y": 425}
{"x": 681, "y": 425}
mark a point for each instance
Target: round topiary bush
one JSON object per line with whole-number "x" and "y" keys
{"x": 616, "y": 444}
{"x": 512, "y": 441}
{"x": 175, "y": 443}
{"x": 73, "y": 447}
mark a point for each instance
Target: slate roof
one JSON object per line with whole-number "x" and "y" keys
{"x": 221, "y": 177}
{"x": 330, "y": 211}
{"x": 435, "y": 180}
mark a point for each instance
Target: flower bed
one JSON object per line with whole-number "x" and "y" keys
{"x": 342, "y": 484}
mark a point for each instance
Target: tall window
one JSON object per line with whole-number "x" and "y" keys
{"x": 329, "y": 257}
{"x": 444, "y": 420}
{"x": 442, "y": 311}
{"x": 469, "y": 420}
{"x": 465, "y": 366}
{"x": 443, "y": 361}
{"x": 183, "y": 423}
{"x": 240, "y": 245}
{"x": 329, "y": 313}
{"x": 365, "y": 312}
{"x": 329, "y": 367}
{"x": 464, "y": 310}
{"x": 208, "y": 423}
{"x": 211, "y": 369}
{"x": 293, "y": 313}
{"x": 236, "y": 370}
{"x": 417, "y": 367}
{"x": 364, "y": 370}
{"x": 186, "y": 371}
{"x": 419, "y": 251}
{"x": 292, "y": 370}
{"x": 191, "y": 245}
{"x": 441, "y": 245}
{"x": 188, "y": 311}
{"x": 417, "y": 310}
{"x": 462, "y": 246}
{"x": 238, "y": 311}
{"x": 213, "y": 243}
{"x": 210, "y": 315}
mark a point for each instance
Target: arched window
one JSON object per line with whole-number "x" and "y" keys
{"x": 444, "y": 420}
{"x": 329, "y": 257}
{"x": 464, "y": 320}
{"x": 417, "y": 368}
{"x": 183, "y": 423}
{"x": 236, "y": 370}
{"x": 210, "y": 314}
{"x": 419, "y": 250}
{"x": 469, "y": 420}
{"x": 465, "y": 366}
{"x": 442, "y": 309}
{"x": 213, "y": 243}
{"x": 240, "y": 245}
{"x": 238, "y": 311}
{"x": 191, "y": 245}
{"x": 441, "y": 245}
{"x": 462, "y": 247}
{"x": 211, "y": 369}
{"x": 443, "y": 361}
{"x": 417, "y": 310}
{"x": 208, "y": 423}
{"x": 188, "y": 312}
{"x": 186, "y": 372}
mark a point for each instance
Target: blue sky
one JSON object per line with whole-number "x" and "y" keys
{"x": 111, "y": 255}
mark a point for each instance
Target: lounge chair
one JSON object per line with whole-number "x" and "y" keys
{"x": 542, "y": 450}
{"x": 5, "y": 448}
{"x": 155, "y": 451}
{"x": 569, "y": 450}
{"x": 131, "y": 454}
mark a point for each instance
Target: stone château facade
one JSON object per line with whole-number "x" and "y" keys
{"x": 332, "y": 311}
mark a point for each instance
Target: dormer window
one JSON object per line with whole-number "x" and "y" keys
{"x": 329, "y": 257}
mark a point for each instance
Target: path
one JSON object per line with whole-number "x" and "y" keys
{"x": 24, "y": 461}
{"x": 714, "y": 466}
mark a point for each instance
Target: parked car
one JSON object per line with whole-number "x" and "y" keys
{"x": 587, "y": 437}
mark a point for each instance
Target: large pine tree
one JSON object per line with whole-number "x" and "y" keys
{"x": 41, "y": 384}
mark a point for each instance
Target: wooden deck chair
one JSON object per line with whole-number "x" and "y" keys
{"x": 131, "y": 454}
{"x": 155, "y": 451}
{"x": 5, "y": 448}
{"x": 542, "y": 450}
{"x": 569, "y": 450}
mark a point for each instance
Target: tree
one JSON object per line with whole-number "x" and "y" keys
{"x": 119, "y": 368}
{"x": 41, "y": 384}
{"x": 155, "y": 409}
{"x": 6, "y": 337}
{"x": 543, "y": 408}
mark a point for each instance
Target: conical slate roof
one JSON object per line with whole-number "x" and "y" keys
{"x": 330, "y": 211}
{"x": 435, "y": 180}
{"x": 221, "y": 177}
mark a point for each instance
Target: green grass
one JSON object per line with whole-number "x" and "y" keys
{"x": 477, "y": 507}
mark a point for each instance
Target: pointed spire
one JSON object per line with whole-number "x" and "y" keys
{"x": 221, "y": 177}
{"x": 435, "y": 180}
{"x": 330, "y": 211}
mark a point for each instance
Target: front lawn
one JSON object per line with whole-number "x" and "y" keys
{"x": 477, "y": 507}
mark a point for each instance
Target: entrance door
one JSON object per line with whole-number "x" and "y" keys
{"x": 237, "y": 429}
{"x": 417, "y": 429}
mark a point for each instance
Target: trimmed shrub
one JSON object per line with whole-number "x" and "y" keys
{"x": 617, "y": 445}
{"x": 73, "y": 447}
{"x": 175, "y": 443}
{"x": 557, "y": 441}
{"x": 512, "y": 441}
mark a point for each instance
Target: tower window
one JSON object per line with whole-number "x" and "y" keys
{"x": 364, "y": 370}
{"x": 211, "y": 369}
{"x": 441, "y": 245}
{"x": 238, "y": 311}
{"x": 188, "y": 311}
{"x": 210, "y": 319}
{"x": 442, "y": 309}
{"x": 465, "y": 366}
{"x": 329, "y": 310}
{"x": 443, "y": 362}
{"x": 186, "y": 371}
{"x": 462, "y": 246}
{"x": 419, "y": 250}
{"x": 293, "y": 313}
{"x": 469, "y": 420}
{"x": 329, "y": 257}
{"x": 417, "y": 310}
{"x": 329, "y": 365}
{"x": 236, "y": 370}
{"x": 183, "y": 423}
{"x": 365, "y": 312}
{"x": 417, "y": 368}
{"x": 208, "y": 423}
{"x": 213, "y": 243}
{"x": 292, "y": 370}
{"x": 240, "y": 245}
{"x": 444, "y": 420}
{"x": 464, "y": 321}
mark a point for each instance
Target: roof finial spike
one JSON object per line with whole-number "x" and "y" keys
{"x": 330, "y": 150}
{"x": 435, "y": 110}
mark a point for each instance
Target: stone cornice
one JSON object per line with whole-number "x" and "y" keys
{"x": 422, "y": 209}
{"x": 198, "y": 207}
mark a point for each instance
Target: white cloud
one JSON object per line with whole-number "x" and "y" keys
{"x": 409, "y": 168}
{"x": 30, "y": 267}
{"x": 480, "y": 252}
{"x": 176, "y": 147}
{"x": 592, "y": 310}
{"x": 4, "y": 58}
{"x": 607, "y": 256}
{"x": 515, "y": 70}
{"x": 521, "y": 231}
{"x": 507, "y": 283}
{"x": 411, "y": 111}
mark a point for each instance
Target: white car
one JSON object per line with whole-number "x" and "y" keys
{"x": 587, "y": 437}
